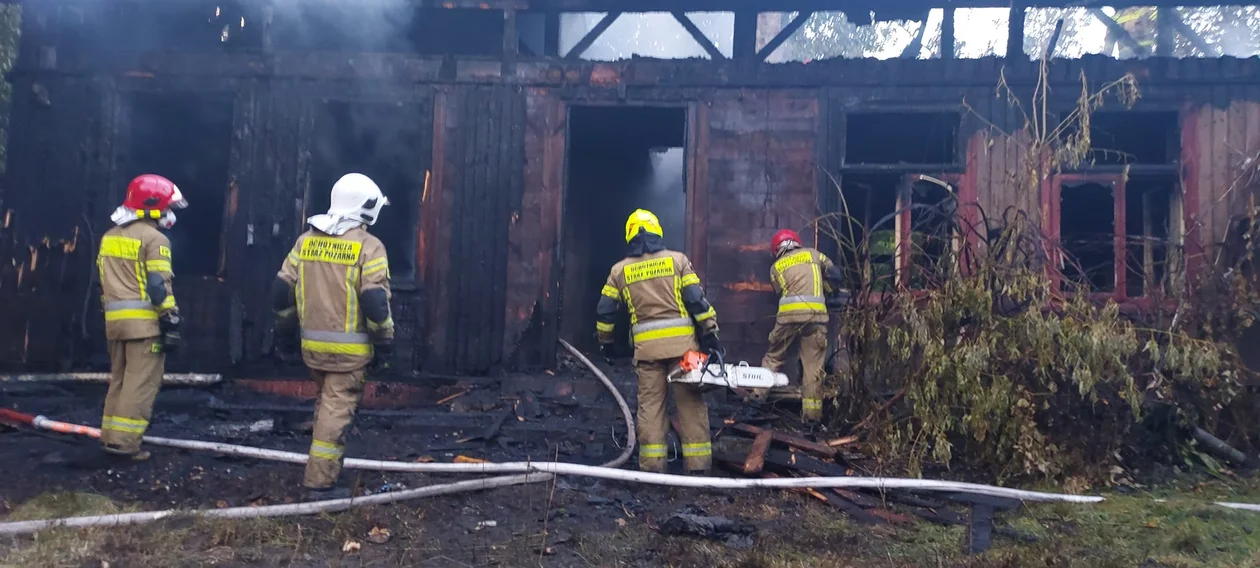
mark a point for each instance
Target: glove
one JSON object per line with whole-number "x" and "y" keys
{"x": 169, "y": 326}
{"x": 710, "y": 344}
{"x": 286, "y": 346}
{"x": 609, "y": 353}
{"x": 382, "y": 355}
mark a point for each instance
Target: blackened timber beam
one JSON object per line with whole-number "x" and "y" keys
{"x": 638, "y": 6}
{"x": 551, "y": 34}
{"x": 947, "y": 34}
{"x": 589, "y": 39}
{"x": 1179, "y": 24}
{"x": 511, "y": 43}
{"x": 784, "y": 34}
{"x": 744, "y": 42}
{"x": 1122, "y": 35}
{"x": 1015, "y": 31}
{"x": 1165, "y": 34}
{"x": 698, "y": 35}
{"x": 1054, "y": 39}
{"x": 916, "y": 45}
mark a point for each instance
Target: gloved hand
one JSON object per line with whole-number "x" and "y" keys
{"x": 609, "y": 353}
{"x": 286, "y": 347}
{"x": 168, "y": 324}
{"x": 709, "y": 343}
{"x": 382, "y": 355}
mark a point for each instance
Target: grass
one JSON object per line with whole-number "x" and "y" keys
{"x": 1136, "y": 530}
{"x": 184, "y": 542}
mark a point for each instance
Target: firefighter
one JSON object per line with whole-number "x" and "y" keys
{"x": 333, "y": 293}
{"x": 668, "y": 310}
{"x": 141, "y": 319}
{"x": 801, "y": 276}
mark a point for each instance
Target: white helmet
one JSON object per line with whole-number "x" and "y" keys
{"x": 356, "y": 196}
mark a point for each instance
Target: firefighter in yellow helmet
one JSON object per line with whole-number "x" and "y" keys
{"x": 334, "y": 288}
{"x": 801, "y": 276}
{"x": 668, "y": 310}
{"x": 141, "y": 319}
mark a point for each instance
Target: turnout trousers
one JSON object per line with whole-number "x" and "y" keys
{"x": 335, "y": 406}
{"x": 693, "y": 419}
{"x": 135, "y": 375}
{"x": 810, "y": 341}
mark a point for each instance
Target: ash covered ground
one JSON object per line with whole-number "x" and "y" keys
{"x": 567, "y": 416}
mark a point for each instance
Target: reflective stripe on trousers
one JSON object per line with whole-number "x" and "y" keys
{"x": 811, "y": 403}
{"x": 652, "y": 450}
{"x": 324, "y": 450}
{"x": 336, "y": 342}
{"x": 121, "y": 424}
{"x": 802, "y": 304}
{"x": 130, "y": 310}
{"x": 697, "y": 450}
{"x": 661, "y": 329}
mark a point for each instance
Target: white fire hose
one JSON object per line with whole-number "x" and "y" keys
{"x": 532, "y": 472}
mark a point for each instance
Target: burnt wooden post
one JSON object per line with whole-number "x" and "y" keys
{"x": 744, "y": 42}
{"x": 551, "y": 34}
{"x": 947, "y": 34}
{"x": 511, "y": 45}
{"x": 1015, "y": 32}
{"x": 1165, "y": 31}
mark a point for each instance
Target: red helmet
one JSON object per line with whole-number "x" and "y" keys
{"x": 151, "y": 195}
{"x": 783, "y": 236}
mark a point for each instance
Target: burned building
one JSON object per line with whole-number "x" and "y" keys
{"x": 513, "y": 138}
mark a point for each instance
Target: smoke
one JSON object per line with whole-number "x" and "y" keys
{"x": 662, "y": 193}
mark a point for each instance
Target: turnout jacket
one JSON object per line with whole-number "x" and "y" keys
{"x": 134, "y": 262}
{"x": 665, "y": 301}
{"x": 336, "y": 289}
{"x": 801, "y": 279}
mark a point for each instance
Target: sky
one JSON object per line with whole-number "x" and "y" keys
{"x": 980, "y": 32}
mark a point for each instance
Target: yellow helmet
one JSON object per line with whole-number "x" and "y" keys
{"x": 645, "y": 220}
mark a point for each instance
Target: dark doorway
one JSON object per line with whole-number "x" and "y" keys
{"x": 619, "y": 159}
{"x": 188, "y": 140}
{"x": 389, "y": 143}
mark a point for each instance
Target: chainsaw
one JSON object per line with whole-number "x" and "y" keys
{"x": 698, "y": 368}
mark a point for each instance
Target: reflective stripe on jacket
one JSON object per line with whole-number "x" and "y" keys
{"x": 329, "y": 275}
{"x": 666, "y": 303}
{"x": 134, "y": 266}
{"x": 799, "y": 277}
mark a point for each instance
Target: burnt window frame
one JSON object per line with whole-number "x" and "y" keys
{"x": 957, "y": 156}
{"x": 1119, "y": 176}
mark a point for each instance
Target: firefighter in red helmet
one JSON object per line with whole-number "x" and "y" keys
{"x": 141, "y": 319}
{"x": 801, "y": 277}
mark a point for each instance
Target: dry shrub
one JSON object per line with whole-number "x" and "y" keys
{"x": 986, "y": 366}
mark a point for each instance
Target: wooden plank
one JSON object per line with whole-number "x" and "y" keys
{"x": 698, "y": 35}
{"x": 948, "y": 41}
{"x": 789, "y": 440}
{"x": 757, "y": 455}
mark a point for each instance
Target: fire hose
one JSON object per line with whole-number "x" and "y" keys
{"x": 533, "y": 472}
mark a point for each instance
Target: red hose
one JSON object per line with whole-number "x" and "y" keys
{"x": 15, "y": 417}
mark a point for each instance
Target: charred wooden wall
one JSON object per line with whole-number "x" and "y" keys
{"x": 487, "y": 293}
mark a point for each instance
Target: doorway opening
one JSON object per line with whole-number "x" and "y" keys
{"x": 188, "y": 140}
{"x": 619, "y": 159}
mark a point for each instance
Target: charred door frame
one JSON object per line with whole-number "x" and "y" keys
{"x": 695, "y": 141}
{"x": 218, "y": 288}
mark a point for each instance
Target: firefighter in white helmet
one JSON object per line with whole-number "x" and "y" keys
{"x": 333, "y": 292}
